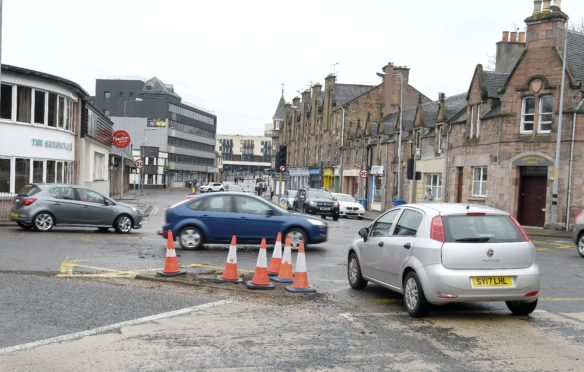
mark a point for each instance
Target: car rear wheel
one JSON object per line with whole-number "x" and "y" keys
{"x": 123, "y": 224}
{"x": 521, "y": 308}
{"x": 414, "y": 298}
{"x": 581, "y": 244}
{"x": 190, "y": 238}
{"x": 296, "y": 235}
{"x": 356, "y": 280}
{"x": 43, "y": 221}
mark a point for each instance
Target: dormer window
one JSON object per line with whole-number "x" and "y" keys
{"x": 418, "y": 142}
{"x": 440, "y": 139}
{"x": 475, "y": 121}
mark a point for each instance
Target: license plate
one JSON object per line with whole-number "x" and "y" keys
{"x": 492, "y": 281}
{"x": 325, "y": 209}
{"x": 14, "y": 214}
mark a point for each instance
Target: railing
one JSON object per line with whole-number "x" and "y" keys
{"x": 5, "y": 204}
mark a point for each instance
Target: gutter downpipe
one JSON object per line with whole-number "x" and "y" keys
{"x": 446, "y": 156}
{"x": 569, "y": 196}
{"x": 342, "y": 151}
{"x": 399, "y": 144}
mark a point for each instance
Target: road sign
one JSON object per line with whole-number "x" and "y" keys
{"x": 139, "y": 163}
{"x": 282, "y": 168}
{"x": 120, "y": 139}
{"x": 363, "y": 173}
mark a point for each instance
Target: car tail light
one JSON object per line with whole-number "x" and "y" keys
{"x": 437, "y": 229}
{"x": 28, "y": 201}
{"x": 531, "y": 294}
{"x": 446, "y": 296}
{"x": 165, "y": 234}
{"x": 520, "y": 228}
{"x": 580, "y": 215}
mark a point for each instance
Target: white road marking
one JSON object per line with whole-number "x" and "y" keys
{"x": 108, "y": 328}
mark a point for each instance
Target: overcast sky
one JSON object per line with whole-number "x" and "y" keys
{"x": 231, "y": 56}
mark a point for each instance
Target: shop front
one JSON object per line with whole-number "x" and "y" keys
{"x": 351, "y": 181}
{"x": 315, "y": 177}
{"x": 299, "y": 177}
{"x": 376, "y": 192}
{"x": 328, "y": 179}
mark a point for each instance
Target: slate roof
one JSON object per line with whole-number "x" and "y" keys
{"x": 347, "y": 92}
{"x": 492, "y": 81}
{"x": 453, "y": 104}
{"x": 575, "y": 55}
{"x": 279, "y": 114}
{"x": 493, "y": 112}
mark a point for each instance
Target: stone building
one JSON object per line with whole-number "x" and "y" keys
{"x": 503, "y": 155}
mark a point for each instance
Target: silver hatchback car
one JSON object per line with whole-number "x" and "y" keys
{"x": 43, "y": 206}
{"x": 439, "y": 253}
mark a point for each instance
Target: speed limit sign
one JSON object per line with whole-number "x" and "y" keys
{"x": 139, "y": 163}
{"x": 363, "y": 173}
{"x": 282, "y": 168}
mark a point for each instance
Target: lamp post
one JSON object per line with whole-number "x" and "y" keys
{"x": 122, "y": 158}
{"x": 145, "y": 139}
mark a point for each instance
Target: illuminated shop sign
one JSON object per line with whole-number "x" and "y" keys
{"x": 52, "y": 144}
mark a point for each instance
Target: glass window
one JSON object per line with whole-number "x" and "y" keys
{"x": 434, "y": 183}
{"x": 377, "y": 189}
{"x": 52, "y": 110}
{"x": 480, "y": 229}
{"x": 6, "y": 103}
{"x": 65, "y": 193}
{"x": 51, "y": 171}
{"x": 382, "y": 226}
{"x": 90, "y": 196}
{"x": 107, "y": 95}
{"x": 61, "y": 117}
{"x": 23, "y": 104}
{"x": 5, "y": 175}
{"x": 37, "y": 171}
{"x": 408, "y": 223}
{"x": 22, "y": 173}
{"x": 545, "y": 114}
{"x": 250, "y": 205}
{"x": 528, "y": 113}
{"x": 28, "y": 190}
{"x": 59, "y": 172}
{"x": 219, "y": 203}
{"x": 479, "y": 182}
{"x": 39, "y": 107}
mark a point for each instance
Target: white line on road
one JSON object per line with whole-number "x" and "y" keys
{"x": 108, "y": 328}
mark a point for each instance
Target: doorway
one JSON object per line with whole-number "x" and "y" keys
{"x": 532, "y": 196}
{"x": 460, "y": 178}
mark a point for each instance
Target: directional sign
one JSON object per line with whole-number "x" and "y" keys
{"x": 282, "y": 168}
{"x": 139, "y": 163}
{"x": 363, "y": 173}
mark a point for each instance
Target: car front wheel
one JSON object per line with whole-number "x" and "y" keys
{"x": 414, "y": 298}
{"x": 43, "y": 221}
{"x": 521, "y": 308}
{"x": 581, "y": 244}
{"x": 356, "y": 280}
{"x": 190, "y": 238}
{"x": 123, "y": 224}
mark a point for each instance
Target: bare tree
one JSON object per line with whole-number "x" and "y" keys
{"x": 577, "y": 26}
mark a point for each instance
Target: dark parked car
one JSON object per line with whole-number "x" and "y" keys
{"x": 579, "y": 233}
{"x": 44, "y": 206}
{"x": 317, "y": 201}
{"x": 215, "y": 218}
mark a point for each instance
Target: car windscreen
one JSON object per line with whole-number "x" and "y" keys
{"x": 481, "y": 229}
{"x": 345, "y": 198}
{"x": 29, "y": 190}
{"x": 318, "y": 194}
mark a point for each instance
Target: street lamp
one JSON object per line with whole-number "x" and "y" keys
{"x": 122, "y": 158}
{"x": 145, "y": 139}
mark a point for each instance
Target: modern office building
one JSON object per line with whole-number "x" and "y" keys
{"x": 158, "y": 121}
{"x": 245, "y": 156}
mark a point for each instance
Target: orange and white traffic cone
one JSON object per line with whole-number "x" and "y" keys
{"x": 171, "y": 267}
{"x": 276, "y": 260}
{"x": 260, "y": 277}
{"x": 230, "y": 273}
{"x": 300, "y": 284}
{"x": 285, "y": 273}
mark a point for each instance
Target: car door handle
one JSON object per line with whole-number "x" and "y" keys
{"x": 380, "y": 244}
{"x": 57, "y": 203}
{"x": 408, "y": 245}
{"x": 84, "y": 206}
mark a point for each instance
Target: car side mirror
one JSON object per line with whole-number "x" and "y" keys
{"x": 270, "y": 212}
{"x": 364, "y": 233}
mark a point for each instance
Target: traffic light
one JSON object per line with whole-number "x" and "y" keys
{"x": 410, "y": 171}
{"x": 283, "y": 155}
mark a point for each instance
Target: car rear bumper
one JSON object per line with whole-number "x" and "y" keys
{"x": 442, "y": 285}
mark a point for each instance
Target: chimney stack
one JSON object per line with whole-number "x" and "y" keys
{"x": 546, "y": 6}
{"x": 536, "y": 7}
{"x": 509, "y": 50}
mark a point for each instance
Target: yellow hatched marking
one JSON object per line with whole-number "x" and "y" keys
{"x": 219, "y": 267}
{"x": 562, "y": 299}
{"x": 67, "y": 266}
{"x": 387, "y": 300}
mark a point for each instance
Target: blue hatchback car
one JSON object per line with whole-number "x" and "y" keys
{"x": 215, "y": 218}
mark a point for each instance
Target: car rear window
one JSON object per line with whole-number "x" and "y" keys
{"x": 481, "y": 229}
{"x": 29, "y": 190}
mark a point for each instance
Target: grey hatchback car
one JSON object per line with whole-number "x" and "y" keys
{"x": 44, "y": 206}
{"x": 579, "y": 233}
{"x": 438, "y": 253}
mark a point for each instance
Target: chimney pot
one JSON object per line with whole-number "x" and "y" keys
{"x": 536, "y": 7}
{"x": 505, "y": 36}
{"x": 522, "y": 37}
{"x": 558, "y": 3}
{"x": 513, "y": 37}
{"x": 546, "y": 6}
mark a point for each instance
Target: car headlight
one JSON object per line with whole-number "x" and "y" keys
{"x": 336, "y": 204}
{"x": 316, "y": 222}
{"x": 312, "y": 203}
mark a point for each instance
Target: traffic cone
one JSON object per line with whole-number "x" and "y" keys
{"x": 260, "y": 277}
{"x": 171, "y": 267}
{"x": 276, "y": 260}
{"x": 300, "y": 284}
{"x": 230, "y": 272}
{"x": 285, "y": 273}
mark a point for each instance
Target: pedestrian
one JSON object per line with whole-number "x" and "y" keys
{"x": 429, "y": 196}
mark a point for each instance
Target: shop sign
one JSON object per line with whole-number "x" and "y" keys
{"x": 156, "y": 123}
{"x": 120, "y": 139}
{"x": 377, "y": 170}
{"x": 52, "y": 144}
{"x": 314, "y": 171}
